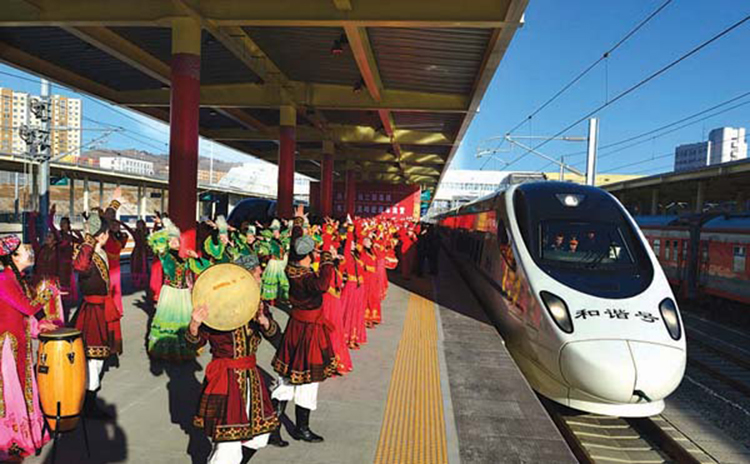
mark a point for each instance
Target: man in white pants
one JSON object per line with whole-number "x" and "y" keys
{"x": 235, "y": 408}
{"x": 98, "y": 318}
{"x": 305, "y": 356}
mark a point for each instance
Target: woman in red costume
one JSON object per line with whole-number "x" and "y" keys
{"x": 333, "y": 309}
{"x": 67, "y": 239}
{"x": 21, "y": 419}
{"x": 372, "y": 284}
{"x": 138, "y": 257}
{"x": 353, "y": 294}
{"x": 116, "y": 242}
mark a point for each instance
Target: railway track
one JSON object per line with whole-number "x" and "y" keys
{"x": 603, "y": 439}
{"x": 719, "y": 358}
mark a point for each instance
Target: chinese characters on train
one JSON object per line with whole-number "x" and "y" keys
{"x": 615, "y": 314}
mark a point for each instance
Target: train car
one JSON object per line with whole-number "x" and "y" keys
{"x": 576, "y": 292}
{"x": 722, "y": 268}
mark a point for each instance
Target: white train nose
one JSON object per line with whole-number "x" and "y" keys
{"x": 613, "y": 370}
{"x": 602, "y": 368}
{"x": 660, "y": 368}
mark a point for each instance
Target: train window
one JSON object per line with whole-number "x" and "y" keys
{"x": 589, "y": 244}
{"x": 675, "y": 245}
{"x": 684, "y": 251}
{"x": 667, "y": 251}
{"x": 657, "y": 247}
{"x": 704, "y": 252}
{"x": 738, "y": 260}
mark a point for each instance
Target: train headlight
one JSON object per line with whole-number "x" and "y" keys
{"x": 558, "y": 310}
{"x": 571, "y": 200}
{"x": 668, "y": 311}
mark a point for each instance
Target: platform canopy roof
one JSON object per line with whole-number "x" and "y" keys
{"x": 396, "y": 101}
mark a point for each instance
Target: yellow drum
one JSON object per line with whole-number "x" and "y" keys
{"x": 61, "y": 374}
{"x": 231, "y": 293}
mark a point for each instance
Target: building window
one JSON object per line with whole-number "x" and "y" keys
{"x": 657, "y": 247}
{"x": 667, "y": 249}
{"x": 738, "y": 260}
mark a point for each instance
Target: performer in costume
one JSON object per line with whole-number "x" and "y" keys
{"x": 113, "y": 247}
{"x": 305, "y": 357}
{"x": 98, "y": 318}
{"x": 274, "y": 248}
{"x": 166, "y": 337}
{"x": 333, "y": 309}
{"x": 21, "y": 419}
{"x": 235, "y": 408}
{"x": 247, "y": 241}
{"x": 67, "y": 238}
{"x": 157, "y": 274}
{"x": 218, "y": 246}
{"x": 372, "y": 283}
{"x": 353, "y": 296}
{"x": 138, "y": 257}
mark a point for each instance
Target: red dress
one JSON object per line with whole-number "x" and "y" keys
{"x": 98, "y": 318}
{"x": 306, "y": 352}
{"x": 333, "y": 311}
{"x": 139, "y": 261}
{"x": 233, "y": 379}
{"x": 353, "y": 300}
{"x": 372, "y": 288}
{"x": 113, "y": 248}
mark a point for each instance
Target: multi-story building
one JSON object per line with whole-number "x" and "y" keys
{"x": 128, "y": 165}
{"x": 727, "y": 144}
{"x": 724, "y": 144}
{"x": 65, "y": 123}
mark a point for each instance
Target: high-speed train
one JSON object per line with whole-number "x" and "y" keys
{"x": 576, "y": 292}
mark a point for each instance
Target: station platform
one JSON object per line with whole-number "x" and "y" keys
{"x": 434, "y": 384}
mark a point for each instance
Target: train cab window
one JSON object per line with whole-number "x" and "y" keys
{"x": 738, "y": 259}
{"x": 657, "y": 247}
{"x": 584, "y": 243}
{"x": 588, "y": 244}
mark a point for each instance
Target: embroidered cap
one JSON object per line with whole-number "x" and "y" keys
{"x": 275, "y": 225}
{"x": 304, "y": 245}
{"x": 221, "y": 223}
{"x": 9, "y": 244}
{"x": 172, "y": 230}
{"x": 249, "y": 262}
{"x": 250, "y": 230}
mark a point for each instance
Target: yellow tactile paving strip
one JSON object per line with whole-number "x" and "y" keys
{"x": 413, "y": 428}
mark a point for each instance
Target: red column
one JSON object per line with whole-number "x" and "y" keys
{"x": 326, "y": 180}
{"x": 351, "y": 191}
{"x": 285, "y": 193}
{"x": 183, "y": 127}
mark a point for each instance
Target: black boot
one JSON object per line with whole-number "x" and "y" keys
{"x": 247, "y": 455}
{"x": 302, "y": 430}
{"x": 91, "y": 408}
{"x": 275, "y": 439}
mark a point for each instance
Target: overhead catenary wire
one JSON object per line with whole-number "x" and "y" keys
{"x": 638, "y": 85}
{"x": 674, "y": 123}
{"x": 588, "y": 69}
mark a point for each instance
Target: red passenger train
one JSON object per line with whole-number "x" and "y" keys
{"x": 722, "y": 267}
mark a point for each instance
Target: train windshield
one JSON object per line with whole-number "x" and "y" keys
{"x": 584, "y": 244}
{"x": 588, "y": 244}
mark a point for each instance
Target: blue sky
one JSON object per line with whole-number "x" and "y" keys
{"x": 559, "y": 40}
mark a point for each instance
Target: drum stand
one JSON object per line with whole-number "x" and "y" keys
{"x": 56, "y": 433}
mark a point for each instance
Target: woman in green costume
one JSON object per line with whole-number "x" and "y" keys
{"x": 166, "y": 338}
{"x": 273, "y": 247}
{"x": 219, "y": 246}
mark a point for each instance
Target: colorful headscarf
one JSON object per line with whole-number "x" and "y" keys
{"x": 221, "y": 223}
{"x": 9, "y": 244}
{"x": 172, "y": 229}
